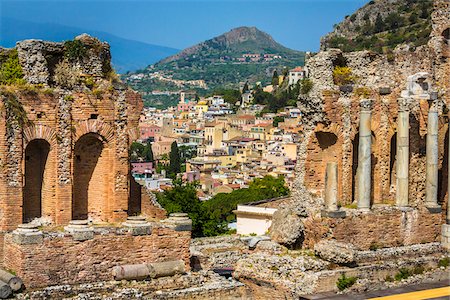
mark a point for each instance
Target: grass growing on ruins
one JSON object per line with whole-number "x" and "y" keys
{"x": 403, "y": 273}
{"x": 444, "y": 262}
{"x": 345, "y": 282}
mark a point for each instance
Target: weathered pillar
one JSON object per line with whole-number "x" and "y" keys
{"x": 432, "y": 161}
{"x": 448, "y": 177}
{"x": 402, "y": 153}
{"x": 331, "y": 192}
{"x": 331, "y": 188}
{"x": 364, "y": 155}
{"x": 445, "y": 233}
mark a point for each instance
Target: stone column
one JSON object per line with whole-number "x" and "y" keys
{"x": 331, "y": 188}
{"x": 364, "y": 155}
{"x": 445, "y": 233}
{"x": 402, "y": 153}
{"x": 331, "y": 192}
{"x": 448, "y": 177}
{"x": 432, "y": 161}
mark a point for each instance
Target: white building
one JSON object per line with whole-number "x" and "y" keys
{"x": 295, "y": 75}
{"x": 253, "y": 219}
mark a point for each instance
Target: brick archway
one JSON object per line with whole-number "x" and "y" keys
{"x": 39, "y": 132}
{"x": 92, "y": 178}
{"x": 104, "y": 130}
{"x": 37, "y": 179}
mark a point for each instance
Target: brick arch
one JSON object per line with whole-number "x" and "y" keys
{"x": 133, "y": 134}
{"x": 41, "y": 132}
{"x": 104, "y": 130}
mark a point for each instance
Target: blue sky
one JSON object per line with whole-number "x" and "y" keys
{"x": 297, "y": 24}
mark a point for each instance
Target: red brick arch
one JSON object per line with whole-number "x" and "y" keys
{"x": 104, "y": 130}
{"x": 39, "y": 132}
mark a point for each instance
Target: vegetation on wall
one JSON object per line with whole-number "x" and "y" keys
{"x": 343, "y": 75}
{"x": 10, "y": 69}
{"x": 74, "y": 49}
{"x": 14, "y": 108}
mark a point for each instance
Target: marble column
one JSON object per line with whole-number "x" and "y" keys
{"x": 331, "y": 192}
{"x": 402, "y": 153}
{"x": 448, "y": 176}
{"x": 331, "y": 186}
{"x": 364, "y": 155}
{"x": 432, "y": 161}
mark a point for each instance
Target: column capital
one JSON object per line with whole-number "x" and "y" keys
{"x": 434, "y": 107}
{"x": 365, "y": 104}
{"x": 403, "y": 104}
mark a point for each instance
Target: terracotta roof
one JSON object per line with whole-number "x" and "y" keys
{"x": 297, "y": 69}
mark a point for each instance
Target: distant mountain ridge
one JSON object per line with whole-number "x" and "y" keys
{"x": 244, "y": 54}
{"x": 236, "y": 41}
{"x": 127, "y": 55}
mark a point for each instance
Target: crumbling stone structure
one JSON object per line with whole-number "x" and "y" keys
{"x": 64, "y": 153}
{"x": 388, "y": 134}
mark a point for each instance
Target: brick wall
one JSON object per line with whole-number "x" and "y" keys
{"x": 61, "y": 260}
{"x": 384, "y": 227}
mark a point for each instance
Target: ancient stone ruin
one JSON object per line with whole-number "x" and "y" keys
{"x": 64, "y": 140}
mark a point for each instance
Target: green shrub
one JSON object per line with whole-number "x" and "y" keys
{"x": 389, "y": 278}
{"x": 445, "y": 262}
{"x": 403, "y": 273}
{"x": 418, "y": 270}
{"x": 11, "y": 70}
{"x": 343, "y": 75}
{"x": 345, "y": 282}
{"x": 305, "y": 86}
{"x": 74, "y": 49}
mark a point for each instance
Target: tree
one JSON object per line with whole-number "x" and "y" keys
{"x": 148, "y": 153}
{"x": 379, "y": 25}
{"x": 183, "y": 198}
{"x": 245, "y": 89}
{"x": 136, "y": 151}
{"x": 276, "y": 120}
{"x": 275, "y": 78}
{"x": 175, "y": 160}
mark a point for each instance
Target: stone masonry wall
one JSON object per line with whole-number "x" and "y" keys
{"x": 59, "y": 259}
{"x": 382, "y": 227}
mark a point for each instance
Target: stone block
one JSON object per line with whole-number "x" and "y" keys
{"x": 179, "y": 222}
{"x": 27, "y": 234}
{"x": 137, "y": 225}
{"x": 336, "y": 252}
{"x": 80, "y": 230}
{"x": 435, "y": 210}
{"x": 333, "y": 214}
{"x": 445, "y": 236}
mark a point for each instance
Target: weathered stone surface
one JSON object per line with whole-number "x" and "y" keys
{"x": 335, "y": 252}
{"x": 287, "y": 227}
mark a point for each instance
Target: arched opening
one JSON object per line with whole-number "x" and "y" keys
{"x": 326, "y": 139}
{"x": 92, "y": 171}
{"x": 446, "y": 35}
{"x": 36, "y": 154}
{"x": 135, "y": 198}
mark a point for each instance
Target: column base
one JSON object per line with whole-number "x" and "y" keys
{"x": 445, "y": 236}
{"x": 333, "y": 214}
{"x": 434, "y": 209}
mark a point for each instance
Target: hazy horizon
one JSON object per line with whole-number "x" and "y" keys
{"x": 179, "y": 24}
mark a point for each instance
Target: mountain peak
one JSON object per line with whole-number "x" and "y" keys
{"x": 234, "y": 42}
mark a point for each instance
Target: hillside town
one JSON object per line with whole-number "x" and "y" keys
{"x": 276, "y": 174}
{"x": 228, "y": 148}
